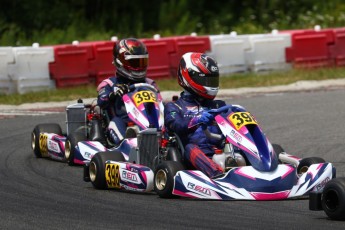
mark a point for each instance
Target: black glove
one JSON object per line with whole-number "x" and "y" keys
{"x": 121, "y": 89}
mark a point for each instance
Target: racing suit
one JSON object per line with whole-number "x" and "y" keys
{"x": 115, "y": 107}
{"x": 180, "y": 117}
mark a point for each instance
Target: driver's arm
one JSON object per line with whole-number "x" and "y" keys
{"x": 174, "y": 119}
{"x": 103, "y": 96}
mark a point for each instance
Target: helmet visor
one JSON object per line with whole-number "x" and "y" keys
{"x": 136, "y": 62}
{"x": 208, "y": 80}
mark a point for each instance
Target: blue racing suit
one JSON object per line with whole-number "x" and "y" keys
{"x": 181, "y": 117}
{"x": 115, "y": 108}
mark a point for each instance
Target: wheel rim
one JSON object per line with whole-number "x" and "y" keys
{"x": 67, "y": 149}
{"x": 33, "y": 141}
{"x": 161, "y": 179}
{"x": 92, "y": 171}
{"x": 303, "y": 170}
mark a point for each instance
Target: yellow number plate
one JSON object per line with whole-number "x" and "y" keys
{"x": 240, "y": 119}
{"x": 144, "y": 96}
{"x": 43, "y": 144}
{"x": 112, "y": 175}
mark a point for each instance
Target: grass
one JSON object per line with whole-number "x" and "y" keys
{"x": 226, "y": 82}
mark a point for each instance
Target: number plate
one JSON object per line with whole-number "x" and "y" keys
{"x": 144, "y": 96}
{"x": 43, "y": 144}
{"x": 112, "y": 175}
{"x": 240, "y": 119}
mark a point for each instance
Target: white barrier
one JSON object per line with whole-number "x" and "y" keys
{"x": 30, "y": 71}
{"x": 229, "y": 51}
{"x": 6, "y": 57}
{"x": 268, "y": 52}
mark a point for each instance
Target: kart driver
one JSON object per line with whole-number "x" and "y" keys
{"x": 188, "y": 116}
{"x": 130, "y": 58}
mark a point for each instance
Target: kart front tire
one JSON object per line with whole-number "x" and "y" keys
{"x": 97, "y": 167}
{"x": 333, "y": 199}
{"x": 43, "y": 128}
{"x": 278, "y": 149}
{"x": 305, "y": 163}
{"x": 70, "y": 146}
{"x": 164, "y": 178}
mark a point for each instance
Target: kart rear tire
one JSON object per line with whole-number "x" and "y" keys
{"x": 305, "y": 163}
{"x": 43, "y": 128}
{"x": 97, "y": 167}
{"x": 333, "y": 199}
{"x": 164, "y": 178}
{"x": 70, "y": 146}
{"x": 278, "y": 149}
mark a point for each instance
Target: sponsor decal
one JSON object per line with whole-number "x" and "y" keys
{"x": 214, "y": 68}
{"x": 173, "y": 114}
{"x": 88, "y": 155}
{"x": 53, "y": 146}
{"x": 129, "y": 176}
{"x": 236, "y": 135}
{"x": 135, "y": 112}
{"x": 322, "y": 184}
{"x": 199, "y": 189}
{"x": 129, "y": 188}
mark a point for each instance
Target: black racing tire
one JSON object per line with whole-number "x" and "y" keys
{"x": 42, "y": 128}
{"x": 278, "y": 149}
{"x": 305, "y": 163}
{"x": 333, "y": 199}
{"x": 97, "y": 167}
{"x": 164, "y": 178}
{"x": 70, "y": 145}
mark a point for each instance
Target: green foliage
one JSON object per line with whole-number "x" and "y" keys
{"x": 23, "y": 22}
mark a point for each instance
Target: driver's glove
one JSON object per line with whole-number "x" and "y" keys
{"x": 206, "y": 118}
{"x": 121, "y": 89}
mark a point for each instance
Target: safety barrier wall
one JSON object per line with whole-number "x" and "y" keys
{"x": 310, "y": 48}
{"x": 24, "y": 69}
{"x": 267, "y": 52}
{"x": 71, "y": 66}
{"x": 100, "y": 65}
{"x": 159, "y": 57}
{"x": 338, "y": 49}
{"x": 6, "y": 57}
{"x": 29, "y": 72}
{"x": 229, "y": 51}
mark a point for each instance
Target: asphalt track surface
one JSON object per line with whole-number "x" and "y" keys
{"x": 45, "y": 194}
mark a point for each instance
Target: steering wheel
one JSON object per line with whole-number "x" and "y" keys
{"x": 216, "y": 112}
{"x": 138, "y": 85}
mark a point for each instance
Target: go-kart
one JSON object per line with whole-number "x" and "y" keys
{"x": 254, "y": 168}
{"x": 86, "y": 126}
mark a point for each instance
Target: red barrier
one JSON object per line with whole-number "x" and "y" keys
{"x": 71, "y": 65}
{"x": 310, "y": 48}
{"x": 338, "y": 50}
{"x": 159, "y": 57}
{"x": 101, "y": 66}
{"x": 185, "y": 44}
